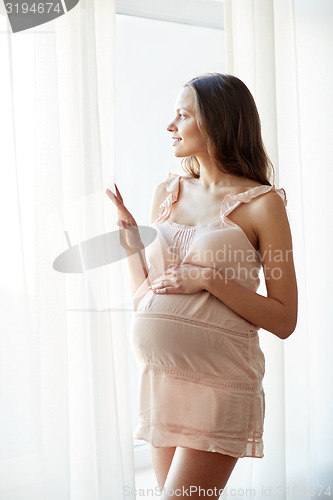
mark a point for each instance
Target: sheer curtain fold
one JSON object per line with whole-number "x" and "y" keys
{"x": 65, "y": 412}
{"x": 282, "y": 50}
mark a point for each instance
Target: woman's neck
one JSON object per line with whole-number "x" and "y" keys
{"x": 212, "y": 177}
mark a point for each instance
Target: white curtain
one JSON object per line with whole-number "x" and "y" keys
{"x": 283, "y": 51}
{"x": 65, "y": 428}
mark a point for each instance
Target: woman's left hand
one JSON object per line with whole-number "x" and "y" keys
{"x": 185, "y": 278}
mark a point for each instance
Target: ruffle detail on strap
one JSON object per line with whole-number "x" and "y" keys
{"x": 230, "y": 202}
{"x": 172, "y": 186}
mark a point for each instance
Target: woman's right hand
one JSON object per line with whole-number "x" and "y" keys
{"x": 130, "y": 238}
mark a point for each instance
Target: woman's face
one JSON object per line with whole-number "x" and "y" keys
{"x": 188, "y": 140}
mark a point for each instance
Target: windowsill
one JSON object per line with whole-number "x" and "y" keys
{"x": 142, "y": 456}
{"x": 145, "y": 479}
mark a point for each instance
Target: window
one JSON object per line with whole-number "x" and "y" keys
{"x": 154, "y": 59}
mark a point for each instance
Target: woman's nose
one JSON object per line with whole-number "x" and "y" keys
{"x": 171, "y": 127}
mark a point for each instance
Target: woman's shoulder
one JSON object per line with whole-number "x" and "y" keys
{"x": 270, "y": 206}
{"x": 273, "y": 199}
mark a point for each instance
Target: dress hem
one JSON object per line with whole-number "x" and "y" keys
{"x": 152, "y": 435}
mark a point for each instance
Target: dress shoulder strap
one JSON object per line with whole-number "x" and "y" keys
{"x": 230, "y": 202}
{"x": 172, "y": 186}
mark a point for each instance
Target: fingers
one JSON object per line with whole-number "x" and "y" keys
{"x": 118, "y": 193}
{"x": 164, "y": 287}
{"x": 167, "y": 280}
{"x": 159, "y": 287}
{"x": 125, "y": 217}
{"x": 117, "y": 199}
{"x": 125, "y": 223}
{"x": 113, "y": 197}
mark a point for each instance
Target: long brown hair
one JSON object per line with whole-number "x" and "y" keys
{"x": 229, "y": 121}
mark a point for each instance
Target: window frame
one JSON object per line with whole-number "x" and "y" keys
{"x": 205, "y": 13}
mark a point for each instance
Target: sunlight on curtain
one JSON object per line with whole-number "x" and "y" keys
{"x": 282, "y": 50}
{"x": 65, "y": 427}
{"x": 304, "y": 72}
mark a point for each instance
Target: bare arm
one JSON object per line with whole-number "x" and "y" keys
{"x": 277, "y": 312}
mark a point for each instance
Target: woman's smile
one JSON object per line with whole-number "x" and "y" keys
{"x": 176, "y": 140}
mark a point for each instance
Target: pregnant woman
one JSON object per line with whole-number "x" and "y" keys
{"x": 196, "y": 308}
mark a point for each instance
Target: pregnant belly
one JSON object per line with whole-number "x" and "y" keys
{"x": 193, "y": 351}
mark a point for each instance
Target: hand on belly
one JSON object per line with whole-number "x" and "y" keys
{"x": 186, "y": 278}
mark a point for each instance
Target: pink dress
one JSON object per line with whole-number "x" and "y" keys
{"x": 201, "y": 364}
